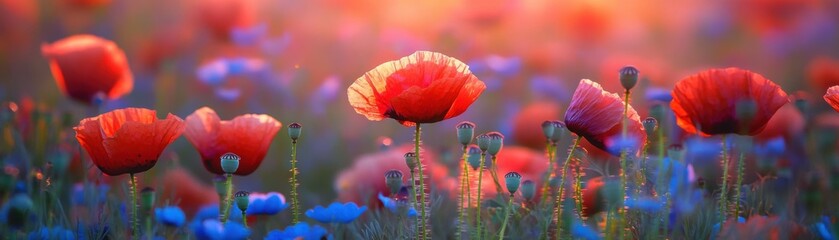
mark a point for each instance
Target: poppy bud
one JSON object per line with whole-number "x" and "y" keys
{"x": 20, "y": 207}
{"x": 229, "y": 163}
{"x": 650, "y": 125}
{"x": 559, "y": 131}
{"x": 496, "y": 141}
{"x": 483, "y": 142}
{"x": 474, "y": 156}
{"x": 465, "y": 132}
{"x": 676, "y": 152}
{"x": 528, "y": 190}
{"x": 393, "y": 179}
{"x": 548, "y": 129}
{"x": 629, "y": 77}
{"x": 513, "y": 180}
{"x": 242, "y": 200}
{"x": 218, "y": 182}
{"x": 410, "y": 160}
{"x": 294, "y": 131}
{"x": 147, "y": 197}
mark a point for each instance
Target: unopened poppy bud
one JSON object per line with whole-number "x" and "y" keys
{"x": 676, "y": 152}
{"x": 559, "y": 131}
{"x": 650, "y": 125}
{"x": 629, "y": 77}
{"x": 528, "y": 190}
{"x": 473, "y": 156}
{"x": 242, "y": 201}
{"x": 513, "y": 180}
{"x": 746, "y": 109}
{"x": 465, "y": 132}
{"x": 393, "y": 179}
{"x": 548, "y": 129}
{"x": 483, "y": 142}
{"x": 229, "y": 163}
{"x": 496, "y": 142}
{"x": 411, "y": 160}
{"x": 147, "y": 197}
{"x": 294, "y": 131}
{"x": 218, "y": 182}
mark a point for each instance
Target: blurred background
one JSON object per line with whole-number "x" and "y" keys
{"x": 294, "y": 60}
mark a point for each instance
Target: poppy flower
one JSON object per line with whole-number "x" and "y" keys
{"x": 247, "y": 135}
{"x": 127, "y": 140}
{"x": 593, "y": 200}
{"x": 705, "y": 103}
{"x": 86, "y": 65}
{"x": 424, "y": 87}
{"x": 823, "y": 73}
{"x": 182, "y": 187}
{"x": 787, "y": 122}
{"x": 170, "y": 216}
{"x": 527, "y": 125}
{"x": 832, "y": 97}
{"x": 597, "y": 115}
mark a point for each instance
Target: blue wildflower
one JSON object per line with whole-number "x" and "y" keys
{"x": 658, "y": 94}
{"x": 213, "y": 73}
{"x": 170, "y": 216}
{"x": 248, "y": 36}
{"x": 628, "y": 143}
{"x": 211, "y": 212}
{"x": 336, "y": 213}
{"x": 213, "y": 229}
{"x": 549, "y": 87}
{"x": 394, "y": 205}
{"x": 57, "y": 233}
{"x": 702, "y": 150}
{"x": 266, "y": 203}
{"x": 78, "y": 197}
{"x": 412, "y": 212}
{"x": 300, "y": 230}
{"x": 772, "y": 148}
{"x": 579, "y": 230}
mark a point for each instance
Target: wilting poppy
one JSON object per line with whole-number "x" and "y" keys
{"x": 597, "y": 115}
{"x": 247, "y": 135}
{"x": 425, "y": 87}
{"x": 179, "y": 186}
{"x": 705, "y": 103}
{"x": 832, "y": 97}
{"x": 86, "y": 65}
{"x": 527, "y": 125}
{"x": 823, "y": 73}
{"x": 127, "y": 140}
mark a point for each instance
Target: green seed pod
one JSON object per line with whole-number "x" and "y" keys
{"x": 628, "y": 77}
{"x": 465, "y": 132}
{"x": 559, "y": 131}
{"x": 242, "y": 201}
{"x": 393, "y": 180}
{"x": 294, "y": 131}
{"x": 548, "y": 129}
{"x": 147, "y": 197}
{"x": 513, "y": 180}
{"x": 229, "y": 163}
{"x": 650, "y": 125}
{"x": 528, "y": 190}
{"x": 496, "y": 142}
{"x": 411, "y": 160}
{"x": 483, "y": 142}
{"x": 473, "y": 156}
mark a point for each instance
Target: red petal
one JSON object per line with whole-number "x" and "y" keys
{"x": 84, "y": 65}
{"x": 832, "y": 97}
{"x": 593, "y": 111}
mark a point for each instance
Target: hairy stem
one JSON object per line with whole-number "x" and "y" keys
{"x": 550, "y": 173}
{"x": 494, "y": 172}
{"x": 295, "y": 203}
{"x": 461, "y": 208}
{"x": 506, "y": 217}
{"x": 227, "y": 201}
{"x": 478, "y": 221}
{"x": 723, "y": 201}
{"x": 423, "y": 214}
{"x": 737, "y": 186}
{"x": 560, "y": 196}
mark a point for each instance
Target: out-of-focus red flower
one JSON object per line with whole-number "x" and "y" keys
{"x": 527, "y": 125}
{"x": 424, "y": 87}
{"x": 762, "y": 227}
{"x": 87, "y": 3}
{"x": 705, "y": 103}
{"x": 181, "y": 187}
{"x": 84, "y": 65}
{"x": 832, "y": 97}
{"x": 248, "y": 136}
{"x": 527, "y": 162}
{"x": 127, "y": 140}
{"x": 823, "y": 73}
{"x": 787, "y": 122}
{"x": 593, "y": 200}
{"x": 597, "y": 115}
{"x": 365, "y": 178}
{"x": 221, "y": 16}
{"x": 766, "y": 16}
{"x": 18, "y": 19}
{"x": 587, "y": 21}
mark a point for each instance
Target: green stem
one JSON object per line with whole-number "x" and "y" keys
{"x": 424, "y": 228}
{"x": 413, "y": 199}
{"x": 463, "y": 185}
{"x": 295, "y": 203}
{"x": 578, "y": 189}
{"x": 723, "y": 201}
{"x": 506, "y": 217}
{"x": 494, "y": 173}
{"x": 550, "y": 173}
{"x": 228, "y": 184}
{"x": 149, "y": 233}
{"x": 621, "y": 212}
{"x": 132, "y": 191}
{"x": 244, "y": 218}
{"x": 561, "y": 195}
{"x": 478, "y": 221}
{"x": 739, "y": 184}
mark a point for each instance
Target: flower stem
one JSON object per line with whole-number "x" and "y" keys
{"x": 506, "y": 218}
{"x": 295, "y": 203}
{"x": 227, "y": 201}
{"x": 494, "y": 172}
{"x": 723, "y": 201}
{"x": 478, "y": 221}
{"x": 244, "y": 219}
{"x": 561, "y": 195}
{"x": 461, "y": 208}
{"x": 739, "y": 183}
{"x": 578, "y": 188}
{"x": 132, "y": 191}
{"x": 423, "y": 214}
{"x": 550, "y": 173}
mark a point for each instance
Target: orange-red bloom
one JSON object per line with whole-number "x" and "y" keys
{"x": 832, "y": 97}
{"x": 85, "y": 65}
{"x": 787, "y": 122}
{"x": 705, "y": 103}
{"x": 127, "y": 140}
{"x": 823, "y": 73}
{"x": 527, "y": 125}
{"x": 597, "y": 115}
{"x": 247, "y": 135}
{"x": 425, "y": 87}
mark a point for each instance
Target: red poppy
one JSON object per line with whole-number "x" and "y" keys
{"x": 787, "y": 123}
{"x": 425, "y": 87}
{"x": 705, "y": 103}
{"x": 127, "y": 140}
{"x": 247, "y": 135}
{"x": 527, "y": 125}
{"x": 181, "y": 187}
{"x": 529, "y": 163}
{"x": 597, "y": 115}
{"x": 85, "y": 65}
{"x": 832, "y": 97}
{"x": 221, "y": 16}
{"x": 823, "y": 73}
{"x": 593, "y": 201}
{"x": 87, "y": 3}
